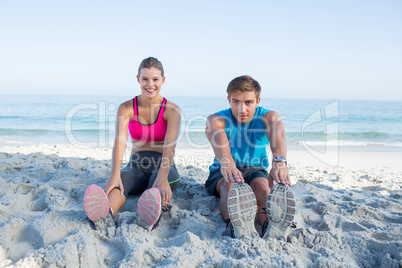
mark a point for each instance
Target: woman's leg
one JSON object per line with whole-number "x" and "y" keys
{"x": 116, "y": 200}
{"x": 173, "y": 178}
{"x": 134, "y": 182}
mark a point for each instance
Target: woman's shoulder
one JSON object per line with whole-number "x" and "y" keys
{"x": 171, "y": 106}
{"x": 172, "y": 111}
{"x": 126, "y": 107}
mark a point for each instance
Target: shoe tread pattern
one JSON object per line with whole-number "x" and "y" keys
{"x": 149, "y": 208}
{"x": 281, "y": 209}
{"x": 96, "y": 203}
{"x": 242, "y": 207}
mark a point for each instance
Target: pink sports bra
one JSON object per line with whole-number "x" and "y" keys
{"x": 148, "y": 133}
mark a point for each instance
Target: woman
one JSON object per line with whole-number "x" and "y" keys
{"x": 153, "y": 124}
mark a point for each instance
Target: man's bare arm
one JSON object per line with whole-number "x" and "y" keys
{"x": 277, "y": 138}
{"x": 215, "y": 132}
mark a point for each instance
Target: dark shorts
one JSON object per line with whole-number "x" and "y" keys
{"x": 249, "y": 174}
{"x": 141, "y": 172}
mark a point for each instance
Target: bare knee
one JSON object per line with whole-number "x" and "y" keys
{"x": 223, "y": 187}
{"x": 260, "y": 187}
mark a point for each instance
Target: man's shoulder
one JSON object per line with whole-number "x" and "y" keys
{"x": 225, "y": 112}
{"x": 221, "y": 115}
{"x": 220, "y": 119}
{"x": 271, "y": 113}
{"x": 271, "y": 117}
{"x": 261, "y": 110}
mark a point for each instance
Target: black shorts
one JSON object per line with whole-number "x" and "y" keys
{"x": 141, "y": 172}
{"x": 249, "y": 174}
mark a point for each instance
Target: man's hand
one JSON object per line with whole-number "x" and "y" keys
{"x": 231, "y": 173}
{"x": 279, "y": 173}
{"x": 113, "y": 182}
{"x": 165, "y": 190}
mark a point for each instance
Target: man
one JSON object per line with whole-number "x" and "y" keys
{"x": 239, "y": 137}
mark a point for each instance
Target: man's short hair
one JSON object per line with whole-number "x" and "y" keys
{"x": 244, "y": 83}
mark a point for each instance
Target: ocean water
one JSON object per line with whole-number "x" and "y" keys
{"x": 89, "y": 121}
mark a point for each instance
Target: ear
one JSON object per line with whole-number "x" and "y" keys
{"x": 163, "y": 80}
{"x": 258, "y": 100}
{"x": 229, "y": 99}
{"x": 138, "y": 79}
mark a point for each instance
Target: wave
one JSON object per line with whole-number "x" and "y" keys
{"x": 350, "y": 143}
{"x": 322, "y": 134}
{"x": 13, "y": 117}
{"x": 364, "y": 137}
{"x": 319, "y": 138}
{"x": 28, "y": 132}
{"x": 30, "y": 117}
{"x": 41, "y": 132}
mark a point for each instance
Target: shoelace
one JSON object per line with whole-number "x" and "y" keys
{"x": 166, "y": 208}
{"x": 227, "y": 223}
{"x": 230, "y": 227}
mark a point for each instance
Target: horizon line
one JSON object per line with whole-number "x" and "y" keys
{"x": 197, "y": 96}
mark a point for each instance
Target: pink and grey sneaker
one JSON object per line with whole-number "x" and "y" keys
{"x": 149, "y": 208}
{"x": 280, "y": 212}
{"x": 96, "y": 206}
{"x": 242, "y": 208}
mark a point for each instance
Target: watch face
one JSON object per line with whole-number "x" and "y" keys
{"x": 280, "y": 159}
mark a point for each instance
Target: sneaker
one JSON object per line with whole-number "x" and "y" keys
{"x": 106, "y": 225}
{"x": 96, "y": 206}
{"x": 280, "y": 212}
{"x": 149, "y": 208}
{"x": 242, "y": 207}
{"x": 229, "y": 229}
{"x": 264, "y": 226}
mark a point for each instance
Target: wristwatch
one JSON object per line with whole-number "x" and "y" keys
{"x": 280, "y": 159}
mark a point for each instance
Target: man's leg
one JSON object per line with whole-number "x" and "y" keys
{"x": 261, "y": 190}
{"x": 270, "y": 181}
{"x": 223, "y": 188}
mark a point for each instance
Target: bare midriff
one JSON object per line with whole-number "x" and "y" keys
{"x": 138, "y": 146}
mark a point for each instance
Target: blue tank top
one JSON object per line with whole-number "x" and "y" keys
{"x": 248, "y": 142}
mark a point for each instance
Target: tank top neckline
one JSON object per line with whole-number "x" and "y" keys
{"x": 136, "y": 112}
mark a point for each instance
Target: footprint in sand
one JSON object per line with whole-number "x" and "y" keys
{"x": 19, "y": 239}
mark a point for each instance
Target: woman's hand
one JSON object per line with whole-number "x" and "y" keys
{"x": 113, "y": 182}
{"x": 164, "y": 188}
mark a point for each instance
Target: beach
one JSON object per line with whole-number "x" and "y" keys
{"x": 78, "y": 76}
{"x": 347, "y": 215}
{"x": 343, "y": 162}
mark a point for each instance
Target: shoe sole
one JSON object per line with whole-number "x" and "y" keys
{"x": 96, "y": 203}
{"x": 242, "y": 208}
{"x": 280, "y": 211}
{"x": 149, "y": 207}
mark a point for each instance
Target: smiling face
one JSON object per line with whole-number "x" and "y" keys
{"x": 243, "y": 105}
{"x": 151, "y": 81}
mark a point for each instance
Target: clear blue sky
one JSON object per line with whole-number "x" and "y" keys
{"x": 295, "y": 49}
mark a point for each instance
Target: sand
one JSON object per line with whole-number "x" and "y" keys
{"x": 348, "y": 215}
